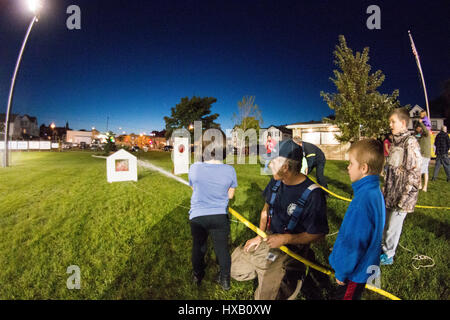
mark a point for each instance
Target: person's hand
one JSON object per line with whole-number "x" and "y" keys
{"x": 340, "y": 282}
{"x": 420, "y": 120}
{"x": 276, "y": 240}
{"x": 252, "y": 244}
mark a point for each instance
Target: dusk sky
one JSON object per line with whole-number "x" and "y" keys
{"x": 133, "y": 60}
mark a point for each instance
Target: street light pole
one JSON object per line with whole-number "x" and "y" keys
{"x": 11, "y": 91}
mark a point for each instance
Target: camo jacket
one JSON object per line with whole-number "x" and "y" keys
{"x": 402, "y": 180}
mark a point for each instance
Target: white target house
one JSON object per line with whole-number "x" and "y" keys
{"x": 121, "y": 166}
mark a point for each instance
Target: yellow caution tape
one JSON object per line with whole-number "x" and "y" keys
{"x": 349, "y": 200}
{"x": 303, "y": 260}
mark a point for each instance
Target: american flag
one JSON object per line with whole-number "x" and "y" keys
{"x": 413, "y": 47}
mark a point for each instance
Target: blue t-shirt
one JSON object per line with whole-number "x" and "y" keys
{"x": 211, "y": 183}
{"x": 313, "y": 219}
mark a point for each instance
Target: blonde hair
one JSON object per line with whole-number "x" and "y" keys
{"x": 370, "y": 152}
{"x": 401, "y": 113}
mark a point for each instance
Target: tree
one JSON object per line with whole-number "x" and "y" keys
{"x": 249, "y": 115}
{"x": 360, "y": 110}
{"x": 189, "y": 110}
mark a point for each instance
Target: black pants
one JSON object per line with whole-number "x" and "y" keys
{"x": 218, "y": 226}
{"x": 320, "y": 167}
{"x": 442, "y": 160}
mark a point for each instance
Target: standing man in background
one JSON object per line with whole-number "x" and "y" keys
{"x": 315, "y": 159}
{"x": 442, "y": 143}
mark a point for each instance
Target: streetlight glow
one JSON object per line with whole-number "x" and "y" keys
{"x": 34, "y": 5}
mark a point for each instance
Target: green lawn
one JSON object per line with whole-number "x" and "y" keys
{"x": 132, "y": 240}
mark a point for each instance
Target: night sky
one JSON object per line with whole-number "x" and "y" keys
{"x": 133, "y": 60}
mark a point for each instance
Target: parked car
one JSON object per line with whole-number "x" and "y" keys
{"x": 168, "y": 148}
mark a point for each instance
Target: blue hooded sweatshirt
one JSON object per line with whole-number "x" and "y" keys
{"x": 358, "y": 244}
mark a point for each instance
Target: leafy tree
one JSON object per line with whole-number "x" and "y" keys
{"x": 189, "y": 110}
{"x": 249, "y": 115}
{"x": 360, "y": 110}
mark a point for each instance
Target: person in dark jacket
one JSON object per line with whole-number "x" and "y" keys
{"x": 315, "y": 159}
{"x": 442, "y": 143}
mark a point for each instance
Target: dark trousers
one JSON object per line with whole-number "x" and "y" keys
{"x": 351, "y": 291}
{"x": 445, "y": 162}
{"x": 320, "y": 167}
{"x": 218, "y": 226}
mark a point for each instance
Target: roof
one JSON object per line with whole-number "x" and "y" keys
{"x": 303, "y": 123}
{"x": 419, "y": 108}
{"x": 12, "y": 117}
{"x": 310, "y": 124}
{"x": 282, "y": 128}
{"x": 122, "y": 154}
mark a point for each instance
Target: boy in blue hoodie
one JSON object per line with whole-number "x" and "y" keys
{"x": 358, "y": 244}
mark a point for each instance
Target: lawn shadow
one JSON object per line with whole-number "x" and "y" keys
{"x": 425, "y": 222}
{"x": 157, "y": 265}
{"x": 251, "y": 210}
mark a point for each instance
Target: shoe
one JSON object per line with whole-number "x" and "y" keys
{"x": 196, "y": 279}
{"x": 385, "y": 261}
{"x": 433, "y": 179}
{"x": 224, "y": 281}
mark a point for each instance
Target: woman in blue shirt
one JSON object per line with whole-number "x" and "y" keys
{"x": 213, "y": 185}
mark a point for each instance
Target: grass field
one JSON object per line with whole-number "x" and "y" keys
{"x": 132, "y": 240}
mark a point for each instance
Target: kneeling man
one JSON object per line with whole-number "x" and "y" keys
{"x": 294, "y": 215}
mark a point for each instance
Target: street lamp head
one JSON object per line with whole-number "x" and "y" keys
{"x": 34, "y": 6}
{"x": 52, "y": 126}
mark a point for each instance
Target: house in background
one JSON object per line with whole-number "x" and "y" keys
{"x": 53, "y": 134}
{"x": 79, "y": 137}
{"x": 20, "y": 127}
{"x": 278, "y": 133}
{"x": 322, "y": 135}
{"x": 414, "y": 114}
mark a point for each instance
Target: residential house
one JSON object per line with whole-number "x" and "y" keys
{"x": 20, "y": 127}
{"x": 322, "y": 135}
{"x": 414, "y": 114}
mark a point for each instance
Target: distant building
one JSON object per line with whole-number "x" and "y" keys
{"x": 322, "y": 135}
{"x": 53, "y": 134}
{"x": 414, "y": 114}
{"x": 20, "y": 127}
{"x": 278, "y": 133}
{"x": 149, "y": 141}
{"x": 78, "y": 137}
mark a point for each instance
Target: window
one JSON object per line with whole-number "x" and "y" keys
{"x": 434, "y": 125}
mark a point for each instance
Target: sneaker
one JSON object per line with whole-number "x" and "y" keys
{"x": 385, "y": 261}
{"x": 224, "y": 281}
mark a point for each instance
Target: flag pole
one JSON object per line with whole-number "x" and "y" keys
{"x": 416, "y": 55}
